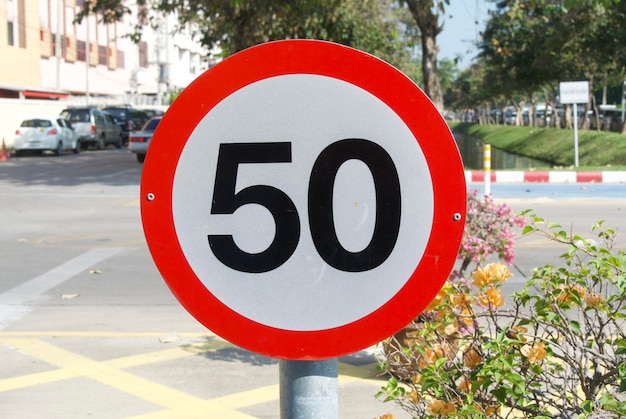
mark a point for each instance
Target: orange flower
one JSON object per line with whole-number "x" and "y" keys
{"x": 413, "y": 396}
{"x": 471, "y": 357}
{"x": 439, "y": 298}
{"x": 465, "y": 316}
{"x": 569, "y": 291}
{"x": 517, "y": 332}
{"x": 492, "y": 410}
{"x": 451, "y": 328}
{"x": 459, "y": 299}
{"x": 464, "y": 384}
{"x": 430, "y": 356}
{"x": 593, "y": 300}
{"x": 498, "y": 271}
{"x": 534, "y": 353}
{"x": 480, "y": 277}
{"x": 492, "y": 272}
{"x": 416, "y": 378}
{"x": 388, "y": 416}
{"x": 491, "y": 298}
{"x": 440, "y": 407}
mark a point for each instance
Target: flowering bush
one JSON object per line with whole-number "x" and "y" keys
{"x": 557, "y": 350}
{"x": 488, "y": 231}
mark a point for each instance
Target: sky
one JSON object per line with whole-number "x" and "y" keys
{"x": 464, "y": 20}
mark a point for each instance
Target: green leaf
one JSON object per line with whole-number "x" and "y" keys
{"x": 552, "y": 225}
{"x": 500, "y": 394}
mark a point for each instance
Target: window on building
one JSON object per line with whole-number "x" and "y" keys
{"x": 143, "y": 54}
{"x": 10, "y": 32}
{"x": 44, "y": 14}
{"x": 102, "y": 55}
{"x": 120, "y": 59}
{"x": 81, "y": 51}
{"x": 11, "y": 12}
{"x": 21, "y": 23}
{"x": 54, "y": 44}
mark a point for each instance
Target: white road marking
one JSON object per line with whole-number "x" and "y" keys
{"x": 13, "y": 303}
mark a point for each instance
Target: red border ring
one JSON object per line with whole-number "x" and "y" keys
{"x": 352, "y": 66}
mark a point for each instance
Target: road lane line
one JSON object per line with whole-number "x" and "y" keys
{"x": 13, "y": 303}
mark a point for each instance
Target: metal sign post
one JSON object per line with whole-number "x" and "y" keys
{"x": 574, "y": 92}
{"x": 575, "y": 135}
{"x": 309, "y": 389}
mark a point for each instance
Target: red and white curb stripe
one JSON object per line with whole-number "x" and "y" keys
{"x": 547, "y": 176}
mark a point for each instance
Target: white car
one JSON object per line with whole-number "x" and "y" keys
{"x": 42, "y": 134}
{"x": 138, "y": 141}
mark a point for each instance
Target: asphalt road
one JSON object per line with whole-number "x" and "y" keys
{"x": 89, "y": 329}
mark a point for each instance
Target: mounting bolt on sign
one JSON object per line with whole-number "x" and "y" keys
{"x": 303, "y": 200}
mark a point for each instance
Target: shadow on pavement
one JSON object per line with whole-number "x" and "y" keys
{"x": 109, "y": 167}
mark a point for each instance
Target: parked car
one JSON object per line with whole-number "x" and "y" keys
{"x": 612, "y": 120}
{"x": 94, "y": 127}
{"x": 140, "y": 140}
{"x": 154, "y": 112}
{"x": 41, "y": 134}
{"x": 129, "y": 119}
{"x": 616, "y": 123}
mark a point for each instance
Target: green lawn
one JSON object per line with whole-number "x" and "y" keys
{"x": 596, "y": 150}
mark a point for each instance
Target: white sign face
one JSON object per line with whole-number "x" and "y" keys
{"x": 309, "y": 112}
{"x": 574, "y": 91}
{"x": 303, "y": 199}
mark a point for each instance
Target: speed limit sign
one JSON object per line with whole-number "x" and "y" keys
{"x": 303, "y": 199}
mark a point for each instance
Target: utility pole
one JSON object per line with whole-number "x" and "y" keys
{"x": 87, "y": 48}
{"x": 58, "y": 42}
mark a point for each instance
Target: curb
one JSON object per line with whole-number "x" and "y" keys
{"x": 547, "y": 176}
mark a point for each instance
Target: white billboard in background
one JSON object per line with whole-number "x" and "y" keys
{"x": 574, "y": 91}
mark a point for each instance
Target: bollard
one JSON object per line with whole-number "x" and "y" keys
{"x": 487, "y": 168}
{"x": 309, "y": 389}
{"x": 4, "y": 155}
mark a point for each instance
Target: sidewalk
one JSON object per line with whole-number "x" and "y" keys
{"x": 512, "y": 176}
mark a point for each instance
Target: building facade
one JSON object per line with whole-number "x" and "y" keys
{"x": 47, "y": 55}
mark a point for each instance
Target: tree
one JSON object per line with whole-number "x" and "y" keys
{"x": 426, "y": 14}
{"x": 539, "y": 43}
{"x": 234, "y": 25}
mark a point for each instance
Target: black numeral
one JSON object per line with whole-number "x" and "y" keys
{"x": 226, "y": 201}
{"x": 388, "y": 205}
{"x": 320, "y": 206}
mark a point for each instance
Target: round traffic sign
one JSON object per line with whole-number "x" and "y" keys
{"x": 303, "y": 199}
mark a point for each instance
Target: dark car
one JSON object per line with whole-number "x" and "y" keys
{"x": 128, "y": 118}
{"x": 153, "y": 112}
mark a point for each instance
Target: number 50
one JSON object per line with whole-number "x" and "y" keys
{"x": 320, "y": 205}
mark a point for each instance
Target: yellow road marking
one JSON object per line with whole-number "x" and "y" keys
{"x": 364, "y": 374}
{"x": 185, "y": 405}
{"x": 173, "y": 403}
{"x": 30, "y": 380}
